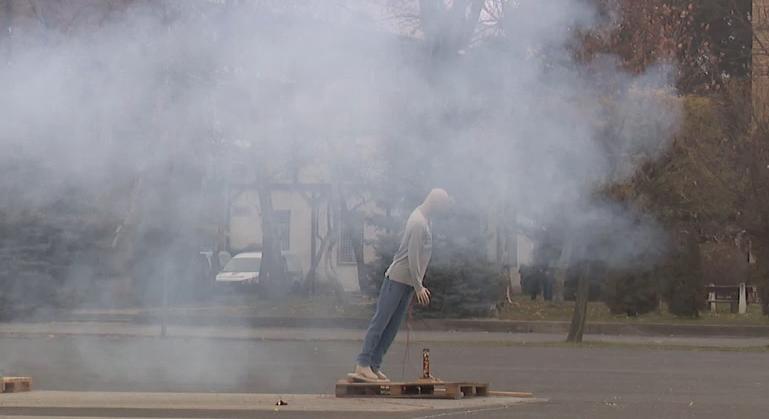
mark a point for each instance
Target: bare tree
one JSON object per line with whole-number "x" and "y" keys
{"x": 447, "y": 28}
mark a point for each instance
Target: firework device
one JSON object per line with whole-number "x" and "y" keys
{"x": 427, "y": 376}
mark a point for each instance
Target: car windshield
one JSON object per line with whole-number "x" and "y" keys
{"x": 243, "y": 265}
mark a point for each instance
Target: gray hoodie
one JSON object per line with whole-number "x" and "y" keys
{"x": 413, "y": 255}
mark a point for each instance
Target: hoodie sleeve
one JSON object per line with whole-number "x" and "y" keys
{"x": 415, "y": 256}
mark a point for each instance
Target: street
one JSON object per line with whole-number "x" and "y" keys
{"x": 579, "y": 382}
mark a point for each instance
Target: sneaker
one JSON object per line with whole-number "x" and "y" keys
{"x": 364, "y": 374}
{"x": 381, "y": 375}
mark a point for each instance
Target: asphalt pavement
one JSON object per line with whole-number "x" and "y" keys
{"x": 589, "y": 382}
{"x": 245, "y": 332}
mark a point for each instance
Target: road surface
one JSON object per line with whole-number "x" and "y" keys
{"x": 579, "y": 382}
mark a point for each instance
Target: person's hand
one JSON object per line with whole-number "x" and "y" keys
{"x": 423, "y": 296}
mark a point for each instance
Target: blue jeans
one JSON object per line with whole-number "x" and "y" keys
{"x": 391, "y": 308}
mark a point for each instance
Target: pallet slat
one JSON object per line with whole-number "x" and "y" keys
{"x": 15, "y": 384}
{"x": 448, "y": 390}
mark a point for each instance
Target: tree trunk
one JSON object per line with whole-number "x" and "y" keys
{"x": 271, "y": 271}
{"x": 330, "y": 241}
{"x": 352, "y": 222}
{"x": 318, "y": 250}
{"x": 315, "y": 256}
{"x": 579, "y": 317}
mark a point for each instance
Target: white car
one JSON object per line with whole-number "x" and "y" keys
{"x": 241, "y": 269}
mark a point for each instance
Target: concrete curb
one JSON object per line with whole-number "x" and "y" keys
{"x": 475, "y": 325}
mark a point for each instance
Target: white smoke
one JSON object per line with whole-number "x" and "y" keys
{"x": 174, "y": 95}
{"x": 163, "y": 87}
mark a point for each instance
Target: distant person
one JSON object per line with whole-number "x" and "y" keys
{"x": 523, "y": 271}
{"x": 402, "y": 280}
{"x": 530, "y": 280}
{"x": 537, "y": 279}
{"x": 548, "y": 283}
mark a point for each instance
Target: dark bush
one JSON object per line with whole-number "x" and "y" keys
{"x": 537, "y": 280}
{"x": 765, "y": 300}
{"x": 631, "y": 293}
{"x": 463, "y": 288}
{"x": 597, "y": 282}
{"x": 385, "y": 247}
{"x": 462, "y": 281}
{"x": 682, "y": 280}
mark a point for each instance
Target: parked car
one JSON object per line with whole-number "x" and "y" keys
{"x": 243, "y": 268}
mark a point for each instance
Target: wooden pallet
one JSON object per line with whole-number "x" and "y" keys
{"x": 15, "y": 384}
{"x": 446, "y": 390}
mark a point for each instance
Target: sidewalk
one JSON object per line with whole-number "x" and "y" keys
{"x": 179, "y": 404}
{"x": 114, "y": 329}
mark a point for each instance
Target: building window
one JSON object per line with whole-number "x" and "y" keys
{"x": 283, "y": 223}
{"x": 348, "y": 235}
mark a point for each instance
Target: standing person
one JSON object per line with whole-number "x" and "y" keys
{"x": 548, "y": 282}
{"x": 403, "y": 279}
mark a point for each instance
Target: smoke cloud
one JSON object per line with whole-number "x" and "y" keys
{"x": 140, "y": 114}
{"x": 180, "y": 97}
